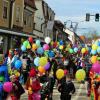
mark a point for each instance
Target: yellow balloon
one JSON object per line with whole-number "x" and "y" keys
{"x": 28, "y": 46}
{"x": 34, "y": 46}
{"x": 43, "y": 61}
{"x": 93, "y": 59}
{"x": 17, "y": 74}
{"x": 94, "y": 47}
{"x": 83, "y": 50}
{"x": 61, "y": 47}
{"x": 80, "y": 75}
{"x": 60, "y": 74}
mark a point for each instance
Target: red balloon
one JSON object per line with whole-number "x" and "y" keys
{"x": 30, "y": 39}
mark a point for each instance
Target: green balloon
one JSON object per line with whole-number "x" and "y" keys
{"x": 26, "y": 43}
{"x": 71, "y": 51}
{"x": 2, "y": 78}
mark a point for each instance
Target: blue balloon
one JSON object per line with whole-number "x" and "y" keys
{"x": 38, "y": 42}
{"x": 61, "y": 42}
{"x": 36, "y": 61}
{"x": 98, "y": 43}
{"x": 1, "y": 88}
{"x": 40, "y": 50}
{"x": 18, "y": 64}
{"x": 98, "y": 50}
{"x": 51, "y": 54}
{"x": 75, "y": 49}
{"x": 93, "y": 52}
{"x": 23, "y": 48}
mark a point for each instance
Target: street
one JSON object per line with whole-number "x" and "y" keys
{"x": 80, "y": 93}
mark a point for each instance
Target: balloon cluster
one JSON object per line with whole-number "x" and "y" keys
{"x": 95, "y": 48}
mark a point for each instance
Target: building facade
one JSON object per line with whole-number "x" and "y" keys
{"x": 43, "y": 16}
{"x": 16, "y": 22}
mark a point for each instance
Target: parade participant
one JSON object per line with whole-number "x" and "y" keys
{"x": 15, "y": 57}
{"x": 17, "y": 89}
{"x": 66, "y": 88}
{"x": 4, "y": 77}
{"x": 33, "y": 86}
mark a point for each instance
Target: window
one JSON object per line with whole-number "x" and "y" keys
{"x": 27, "y": 18}
{"x": 17, "y": 14}
{"x": 5, "y": 9}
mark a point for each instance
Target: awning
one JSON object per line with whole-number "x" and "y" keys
{"x": 16, "y": 33}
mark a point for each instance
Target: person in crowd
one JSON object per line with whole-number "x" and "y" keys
{"x": 33, "y": 86}
{"x": 17, "y": 89}
{"x": 67, "y": 88}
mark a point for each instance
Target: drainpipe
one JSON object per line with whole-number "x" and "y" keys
{"x": 10, "y": 14}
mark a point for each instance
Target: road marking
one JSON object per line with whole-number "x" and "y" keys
{"x": 78, "y": 92}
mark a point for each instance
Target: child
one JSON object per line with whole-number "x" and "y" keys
{"x": 33, "y": 86}
{"x": 17, "y": 88}
{"x": 66, "y": 88}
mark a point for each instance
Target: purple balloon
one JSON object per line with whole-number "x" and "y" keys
{"x": 47, "y": 66}
{"x": 96, "y": 67}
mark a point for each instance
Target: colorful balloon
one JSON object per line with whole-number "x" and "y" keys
{"x": 18, "y": 64}
{"x": 75, "y": 49}
{"x": 80, "y": 75}
{"x": 61, "y": 47}
{"x": 96, "y": 67}
{"x": 40, "y": 50}
{"x": 46, "y": 47}
{"x": 47, "y": 40}
{"x": 71, "y": 51}
{"x": 94, "y": 47}
{"x": 60, "y": 74}
{"x": 23, "y": 48}
{"x": 36, "y": 61}
{"x": 93, "y": 52}
{"x": 93, "y": 59}
{"x": 7, "y": 87}
{"x": 43, "y": 61}
{"x": 34, "y": 47}
{"x": 38, "y": 43}
{"x": 83, "y": 50}
{"x": 98, "y": 50}
{"x": 26, "y": 43}
{"x": 47, "y": 66}
{"x": 41, "y": 69}
{"x": 30, "y": 39}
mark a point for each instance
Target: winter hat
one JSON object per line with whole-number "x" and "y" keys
{"x": 32, "y": 72}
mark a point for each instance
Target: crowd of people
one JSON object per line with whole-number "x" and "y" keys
{"x": 36, "y": 67}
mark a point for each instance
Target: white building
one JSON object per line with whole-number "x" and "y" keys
{"x": 71, "y": 35}
{"x": 43, "y": 16}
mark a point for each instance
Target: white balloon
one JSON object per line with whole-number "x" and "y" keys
{"x": 47, "y": 40}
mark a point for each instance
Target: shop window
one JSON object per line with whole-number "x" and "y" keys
{"x": 5, "y": 9}
{"x": 17, "y": 14}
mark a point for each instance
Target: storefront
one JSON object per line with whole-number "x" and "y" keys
{"x": 11, "y": 40}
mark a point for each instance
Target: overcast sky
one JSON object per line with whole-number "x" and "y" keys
{"x": 76, "y": 10}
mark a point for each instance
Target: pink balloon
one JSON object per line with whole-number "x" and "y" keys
{"x": 46, "y": 47}
{"x": 7, "y": 87}
{"x": 96, "y": 67}
{"x": 65, "y": 72}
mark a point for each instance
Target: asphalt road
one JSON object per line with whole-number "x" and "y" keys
{"x": 79, "y": 95}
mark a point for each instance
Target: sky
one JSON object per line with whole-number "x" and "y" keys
{"x": 75, "y": 10}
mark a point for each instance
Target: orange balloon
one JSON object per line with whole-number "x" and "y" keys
{"x": 34, "y": 46}
{"x": 93, "y": 59}
{"x": 41, "y": 69}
